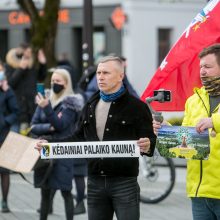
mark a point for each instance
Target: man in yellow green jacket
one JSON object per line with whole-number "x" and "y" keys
{"x": 202, "y": 110}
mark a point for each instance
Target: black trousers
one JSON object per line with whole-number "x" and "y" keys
{"x": 46, "y": 201}
{"x": 109, "y": 195}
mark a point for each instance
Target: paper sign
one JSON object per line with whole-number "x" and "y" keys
{"x": 183, "y": 142}
{"x": 90, "y": 149}
{"x": 17, "y": 153}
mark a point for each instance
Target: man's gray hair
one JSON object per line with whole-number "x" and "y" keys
{"x": 111, "y": 58}
{"x": 116, "y": 59}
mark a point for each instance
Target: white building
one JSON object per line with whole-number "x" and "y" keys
{"x": 153, "y": 25}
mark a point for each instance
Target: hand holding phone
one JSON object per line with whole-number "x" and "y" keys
{"x": 41, "y": 100}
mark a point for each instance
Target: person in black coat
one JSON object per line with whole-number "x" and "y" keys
{"x": 113, "y": 114}
{"x": 55, "y": 118}
{"x": 22, "y": 77}
{"x": 8, "y": 115}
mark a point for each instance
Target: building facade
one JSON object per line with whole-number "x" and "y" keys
{"x": 150, "y": 30}
{"x": 15, "y": 25}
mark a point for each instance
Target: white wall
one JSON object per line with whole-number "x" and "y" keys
{"x": 140, "y": 33}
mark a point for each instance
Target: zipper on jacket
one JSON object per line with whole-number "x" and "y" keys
{"x": 201, "y": 167}
{"x": 200, "y": 179}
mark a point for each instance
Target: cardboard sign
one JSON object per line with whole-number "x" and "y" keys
{"x": 99, "y": 149}
{"x": 183, "y": 142}
{"x": 17, "y": 153}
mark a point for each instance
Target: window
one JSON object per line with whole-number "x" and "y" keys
{"x": 27, "y": 34}
{"x": 4, "y": 44}
{"x": 163, "y": 43}
{"x": 99, "y": 43}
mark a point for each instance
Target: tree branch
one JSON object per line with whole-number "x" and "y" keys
{"x": 29, "y": 7}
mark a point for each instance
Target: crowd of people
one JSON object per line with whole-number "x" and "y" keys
{"x": 103, "y": 106}
{"x": 50, "y": 116}
{"x": 54, "y": 115}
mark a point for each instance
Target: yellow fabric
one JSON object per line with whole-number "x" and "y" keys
{"x": 208, "y": 171}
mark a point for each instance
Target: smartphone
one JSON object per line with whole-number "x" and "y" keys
{"x": 166, "y": 95}
{"x": 41, "y": 89}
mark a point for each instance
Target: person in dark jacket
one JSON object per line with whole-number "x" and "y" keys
{"x": 55, "y": 118}
{"x": 22, "y": 77}
{"x": 64, "y": 62}
{"x": 112, "y": 114}
{"x": 8, "y": 115}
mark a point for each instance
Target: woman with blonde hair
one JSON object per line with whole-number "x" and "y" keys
{"x": 54, "y": 119}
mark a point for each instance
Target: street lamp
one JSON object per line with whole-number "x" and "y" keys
{"x": 87, "y": 45}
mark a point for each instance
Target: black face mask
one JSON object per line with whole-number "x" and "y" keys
{"x": 57, "y": 88}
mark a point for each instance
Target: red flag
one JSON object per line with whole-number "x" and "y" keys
{"x": 179, "y": 71}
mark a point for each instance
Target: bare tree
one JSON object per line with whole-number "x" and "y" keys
{"x": 43, "y": 27}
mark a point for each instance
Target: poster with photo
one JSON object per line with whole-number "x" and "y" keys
{"x": 183, "y": 142}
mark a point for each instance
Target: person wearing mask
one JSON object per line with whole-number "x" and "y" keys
{"x": 202, "y": 111}
{"x": 55, "y": 118}
{"x": 112, "y": 114}
{"x": 8, "y": 115}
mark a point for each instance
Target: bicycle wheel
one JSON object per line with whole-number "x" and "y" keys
{"x": 156, "y": 178}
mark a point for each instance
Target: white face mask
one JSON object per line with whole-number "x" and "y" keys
{"x": 2, "y": 75}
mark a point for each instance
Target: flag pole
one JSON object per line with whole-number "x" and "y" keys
{"x": 87, "y": 45}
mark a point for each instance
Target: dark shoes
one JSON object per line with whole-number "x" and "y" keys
{"x": 80, "y": 208}
{"x": 50, "y": 211}
{"x": 5, "y": 208}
